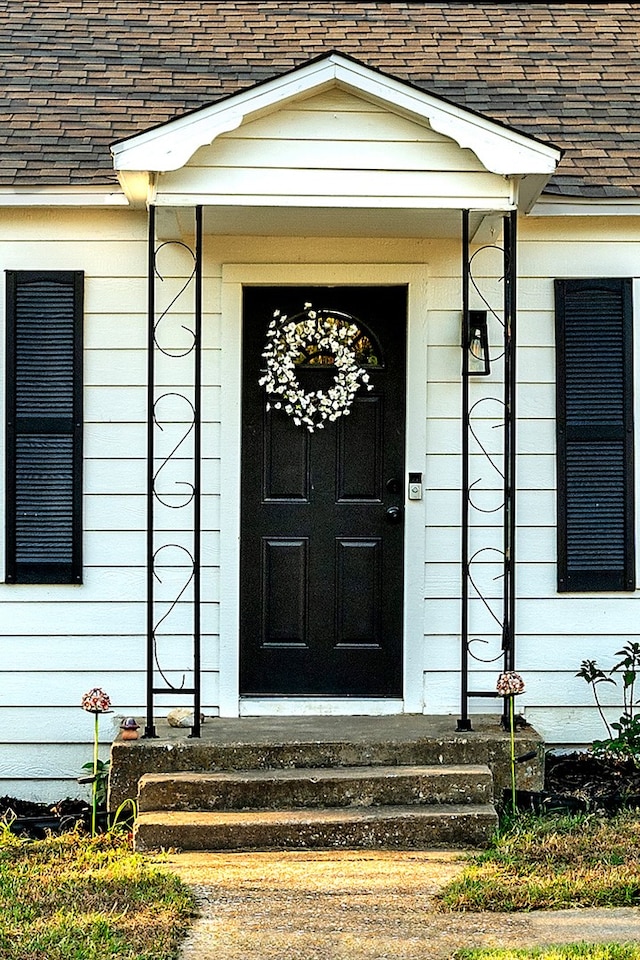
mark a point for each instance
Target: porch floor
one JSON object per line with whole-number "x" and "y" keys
{"x": 325, "y": 741}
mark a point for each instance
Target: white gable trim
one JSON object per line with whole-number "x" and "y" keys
{"x": 500, "y": 149}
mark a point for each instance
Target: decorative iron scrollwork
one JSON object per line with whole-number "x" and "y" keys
{"x": 498, "y": 606}
{"x": 167, "y": 310}
{"x": 172, "y": 604}
{"x": 174, "y": 417}
{"x": 163, "y": 497}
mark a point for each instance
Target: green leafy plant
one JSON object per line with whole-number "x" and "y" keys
{"x": 623, "y": 738}
{"x": 100, "y": 778}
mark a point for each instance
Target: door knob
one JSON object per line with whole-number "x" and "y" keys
{"x": 394, "y": 514}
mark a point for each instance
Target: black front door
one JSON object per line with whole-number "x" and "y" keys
{"x": 322, "y": 511}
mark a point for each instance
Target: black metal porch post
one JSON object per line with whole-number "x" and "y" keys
{"x": 506, "y": 617}
{"x": 150, "y": 730}
{"x": 510, "y": 451}
{"x": 197, "y": 478}
{"x": 464, "y": 722}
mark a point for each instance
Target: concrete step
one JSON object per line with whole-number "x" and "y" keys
{"x": 288, "y": 742}
{"x": 300, "y": 787}
{"x": 388, "y": 827}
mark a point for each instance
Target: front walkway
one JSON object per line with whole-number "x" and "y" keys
{"x": 358, "y": 905}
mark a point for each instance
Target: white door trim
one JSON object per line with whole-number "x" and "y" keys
{"x": 234, "y": 277}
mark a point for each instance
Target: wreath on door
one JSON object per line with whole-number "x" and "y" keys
{"x": 315, "y": 337}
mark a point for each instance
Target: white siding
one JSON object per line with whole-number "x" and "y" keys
{"x": 57, "y": 641}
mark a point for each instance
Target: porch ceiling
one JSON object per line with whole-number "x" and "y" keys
{"x": 173, "y": 223}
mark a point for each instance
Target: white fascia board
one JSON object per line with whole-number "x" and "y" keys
{"x": 555, "y": 206}
{"x": 61, "y": 197}
{"x": 492, "y": 204}
{"x": 501, "y": 150}
{"x": 173, "y": 144}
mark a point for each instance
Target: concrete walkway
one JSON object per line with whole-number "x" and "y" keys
{"x": 359, "y": 905}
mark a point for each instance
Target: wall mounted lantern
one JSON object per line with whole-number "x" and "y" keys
{"x": 475, "y": 341}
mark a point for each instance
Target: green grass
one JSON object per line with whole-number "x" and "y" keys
{"x": 554, "y": 863}
{"x": 577, "y": 951}
{"x": 73, "y": 898}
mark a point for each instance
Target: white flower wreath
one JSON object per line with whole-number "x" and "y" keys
{"x": 287, "y": 339}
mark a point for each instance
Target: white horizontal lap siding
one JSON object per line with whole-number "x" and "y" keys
{"x": 332, "y": 148}
{"x": 57, "y": 641}
{"x": 105, "y": 653}
{"x": 557, "y": 631}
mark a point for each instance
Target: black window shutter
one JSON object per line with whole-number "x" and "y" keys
{"x": 594, "y": 366}
{"x": 44, "y": 426}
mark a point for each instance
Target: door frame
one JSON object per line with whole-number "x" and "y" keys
{"x": 234, "y": 277}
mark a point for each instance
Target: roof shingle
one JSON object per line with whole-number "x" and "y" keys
{"x": 78, "y": 75}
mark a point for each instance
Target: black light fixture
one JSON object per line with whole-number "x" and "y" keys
{"x": 476, "y": 344}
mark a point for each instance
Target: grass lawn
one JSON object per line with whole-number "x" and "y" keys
{"x": 73, "y": 898}
{"x": 554, "y": 863}
{"x": 579, "y": 951}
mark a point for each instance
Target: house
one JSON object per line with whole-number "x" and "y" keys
{"x": 430, "y": 475}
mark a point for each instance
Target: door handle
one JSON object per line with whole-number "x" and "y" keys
{"x": 394, "y": 514}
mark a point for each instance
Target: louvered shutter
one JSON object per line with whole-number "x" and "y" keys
{"x": 596, "y": 548}
{"x": 44, "y": 427}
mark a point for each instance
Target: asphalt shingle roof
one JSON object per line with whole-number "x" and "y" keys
{"x": 77, "y": 75}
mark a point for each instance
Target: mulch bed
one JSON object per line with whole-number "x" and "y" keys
{"x": 574, "y": 782}
{"x": 582, "y": 781}
{"x": 36, "y": 820}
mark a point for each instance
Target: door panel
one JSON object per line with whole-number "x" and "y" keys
{"x": 321, "y": 559}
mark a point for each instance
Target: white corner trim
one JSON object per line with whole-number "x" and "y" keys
{"x": 172, "y": 152}
{"x": 502, "y": 151}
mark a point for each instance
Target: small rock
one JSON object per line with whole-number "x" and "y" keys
{"x": 182, "y": 717}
